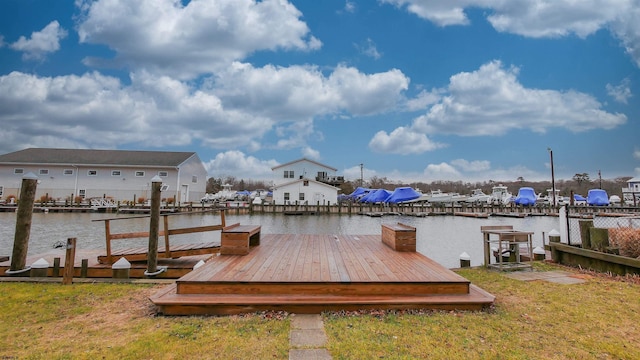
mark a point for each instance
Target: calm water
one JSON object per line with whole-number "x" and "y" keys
{"x": 442, "y": 238}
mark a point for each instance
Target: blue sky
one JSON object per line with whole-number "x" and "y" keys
{"x": 414, "y": 90}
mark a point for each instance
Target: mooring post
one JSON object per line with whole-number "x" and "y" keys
{"x": 154, "y": 225}
{"x": 23, "y": 224}
{"x": 69, "y": 261}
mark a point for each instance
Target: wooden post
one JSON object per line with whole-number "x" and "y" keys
{"x": 154, "y": 224}
{"x": 84, "y": 270}
{"x": 56, "y": 267}
{"x": 23, "y": 222}
{"x": 69, "y": 259}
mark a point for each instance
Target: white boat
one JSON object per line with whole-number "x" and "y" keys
{"x": 437, "y": 196}
{"x": 478, "y": 196}
{"x": 223, "y": 195}
{"x": 500, "y": 195}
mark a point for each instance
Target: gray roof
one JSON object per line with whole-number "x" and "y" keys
{"x": 304, "y": 159}
{"x": 96, "y": 157}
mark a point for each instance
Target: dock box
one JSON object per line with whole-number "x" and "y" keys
{"x": 236, "y": 239}
{"x": 399, "y": 237}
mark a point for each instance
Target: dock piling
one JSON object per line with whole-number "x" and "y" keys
{"x": 23, "y": 223}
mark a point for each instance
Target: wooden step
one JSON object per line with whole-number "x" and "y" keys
{"x": 320, "y": 288}
{"x": 169, "y": 302}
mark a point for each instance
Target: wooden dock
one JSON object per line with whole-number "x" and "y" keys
{"x": 314, "y": 273}
{"x": 86, "y": 265}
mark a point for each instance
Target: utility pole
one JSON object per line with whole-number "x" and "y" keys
{"x": 600, "y": 177}
{"x": 361, "y": 174}
{"x": 553, "y": 179}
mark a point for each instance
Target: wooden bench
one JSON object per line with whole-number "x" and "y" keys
{"x": 399, "y": 237}
{"x": 236, "y": 239}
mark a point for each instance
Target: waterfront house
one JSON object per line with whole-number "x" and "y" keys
{"x": 66, "y": 174}
{"x": 305, "y": 181}
{"x": 631, "y": 194}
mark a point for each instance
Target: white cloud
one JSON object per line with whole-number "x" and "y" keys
{"x": 41, "y": 42}
{"x": 98, "y": 111}
{"x": 402, "y": 141}
{"x": 349, "y": 6}
{"x": 491, "y": 101}
{"x": 423, "y": 100}
{"x": 442, "y": 171}
{"x": 236, "y": 163}
{"x": 302, "y": 92}
{"x": 540, "y": 19}
{"x": 621, "y": 92}
{"x": 369, "y": 49}
{"x": 310, "y": 153}
{"x": 471, "y": 166}
{"x": 197, "y": 38}
{"x": 626, "y": 27}
{"x": 636, "y": 154}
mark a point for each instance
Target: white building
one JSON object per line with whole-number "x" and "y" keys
{"x": 116, "y": 174}
{"x": 632, "y": 190}
{"x": 305, "y": 181}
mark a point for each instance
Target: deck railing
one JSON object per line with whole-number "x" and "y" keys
{"x": 166, "y": 232}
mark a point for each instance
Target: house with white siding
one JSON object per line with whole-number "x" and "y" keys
{"x": 117, "y": 174}
{"x": 305, "y": 181}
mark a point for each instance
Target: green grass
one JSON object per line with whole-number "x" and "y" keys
{"x": 116, "y": 321}
{"x": 598, "y": 319}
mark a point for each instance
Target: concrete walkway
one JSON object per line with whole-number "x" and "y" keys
{"x": 307, "y": 338}
{"x": 556, "y": 276}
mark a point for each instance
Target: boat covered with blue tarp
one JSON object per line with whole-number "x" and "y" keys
{"x": 597, "y": 197}
{"x": 402, "y": 194}
{"x": 526, "y": 197}
{"x": 376, "y": 196}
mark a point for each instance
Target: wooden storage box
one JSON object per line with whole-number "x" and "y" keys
{"x": 399, "y": 237}
{"x": 236, "y": 239}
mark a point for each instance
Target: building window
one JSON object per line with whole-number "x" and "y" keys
{"x": 305, "y": 183}
{"x": 82, "y": 193}
{"x": 288, "y": 174}
{"x": 43, "y": 172}
{"x": 301, "y": 196}
{"x": 163, "y": 173}
{"x": 139, "y": 173}
{"x": 194, "y": 179}
{"x": 18, "y": 171}
{"x": 115, "y": 173}
{"x": 92, "y": 172}
{"x": 286, "y": 196}
{"x": 67, "y": 172}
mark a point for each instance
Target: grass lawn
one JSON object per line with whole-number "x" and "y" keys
{"x": 599, "y": 319}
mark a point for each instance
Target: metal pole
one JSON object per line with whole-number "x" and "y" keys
{"x": 553, "y": 179}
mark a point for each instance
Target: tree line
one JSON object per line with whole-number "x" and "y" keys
{"x": 579, "y": 184}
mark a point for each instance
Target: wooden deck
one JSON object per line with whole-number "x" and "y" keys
{"x": 175, "y": 251}
{"x": 94, "y": 269}
{"x": 314, "y": 273}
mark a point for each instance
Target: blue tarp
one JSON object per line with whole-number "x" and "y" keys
{"x": 526, "y": 196}
{"x": 597, "y": 197}
{"x": 358, "y": 192}
{"x": 402, "y": 194}
{"x": 577, "y": 197}
{"x": 376, "y": 196}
